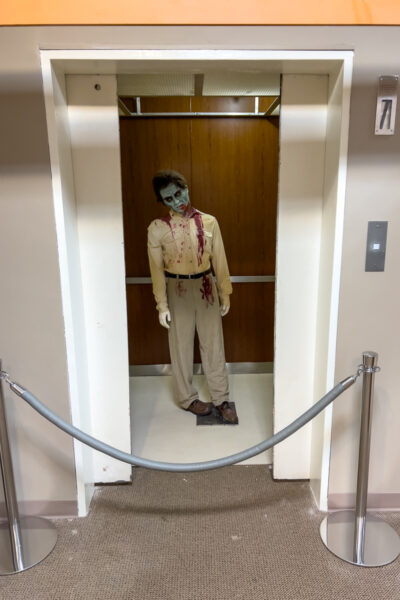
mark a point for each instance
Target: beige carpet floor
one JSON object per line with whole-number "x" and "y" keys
{"x": 228, "y": 534}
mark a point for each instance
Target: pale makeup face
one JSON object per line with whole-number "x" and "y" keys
{"x": 175, "y": 197}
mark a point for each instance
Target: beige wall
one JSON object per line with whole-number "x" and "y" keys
{"x": 32, "y": 343}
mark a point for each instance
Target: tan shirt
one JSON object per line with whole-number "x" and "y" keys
{"x": 186, "y": 245}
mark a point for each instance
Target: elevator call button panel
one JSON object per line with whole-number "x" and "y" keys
{"x": 376, "y": 246}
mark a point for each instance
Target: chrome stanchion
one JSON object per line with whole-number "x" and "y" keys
{"x": 353, "y": 535}
{"x": 24, "y": 541}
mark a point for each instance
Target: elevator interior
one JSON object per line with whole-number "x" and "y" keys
{"x": 221, "y": 130}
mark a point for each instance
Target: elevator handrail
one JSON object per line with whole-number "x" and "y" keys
{"x": 87, "y": 439}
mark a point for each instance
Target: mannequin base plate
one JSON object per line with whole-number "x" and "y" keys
{"x": 215, "y": 418}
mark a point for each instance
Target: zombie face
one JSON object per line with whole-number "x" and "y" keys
{"x": 175, "y": 197}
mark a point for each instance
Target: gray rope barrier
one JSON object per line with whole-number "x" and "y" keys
{"x": 87, "y": 439}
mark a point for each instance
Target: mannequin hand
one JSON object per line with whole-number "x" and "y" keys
{"x": 164, "y": 317}
{"x": 224, "y": 310}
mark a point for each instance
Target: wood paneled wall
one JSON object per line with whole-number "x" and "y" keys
{"x": 231, "y": 166}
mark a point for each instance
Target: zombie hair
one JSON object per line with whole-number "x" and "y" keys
{"x": 163, "y": 178}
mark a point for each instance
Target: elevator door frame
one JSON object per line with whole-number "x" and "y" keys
{"x": 58, "y": 63}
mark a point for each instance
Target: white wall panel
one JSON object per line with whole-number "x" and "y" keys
{"x": 94, "y": 126}
{"x": 301, "y": 183}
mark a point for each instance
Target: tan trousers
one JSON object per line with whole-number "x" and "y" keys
{"x": 194, "y": 304}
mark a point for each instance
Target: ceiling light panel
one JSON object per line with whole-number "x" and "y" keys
{"x": 153, "y": 84}
{"x": 241, "y": 84}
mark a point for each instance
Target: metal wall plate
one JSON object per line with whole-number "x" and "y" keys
{"x": 376, "y": 246}
{"x": 386, "y": 105}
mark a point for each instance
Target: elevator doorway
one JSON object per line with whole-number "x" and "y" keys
{"x": 82, "y": 116}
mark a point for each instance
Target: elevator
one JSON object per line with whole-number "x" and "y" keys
{"x": 85, "y": 153}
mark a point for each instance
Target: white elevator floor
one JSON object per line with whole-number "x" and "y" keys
{"x": 162, "y": 431}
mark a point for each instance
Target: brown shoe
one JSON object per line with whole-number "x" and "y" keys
{"x": 199, "y": 408}
{"x": 227, "y": 413}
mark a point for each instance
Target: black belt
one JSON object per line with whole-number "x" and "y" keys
{"x": 194, "y": 276}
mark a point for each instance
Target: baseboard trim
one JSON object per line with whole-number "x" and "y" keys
{"x": 44, "y": 508}
{"x": 390, "y": 502}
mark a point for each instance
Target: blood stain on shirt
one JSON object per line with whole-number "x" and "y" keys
{"x": 167, "y": 220}
{"x": 173, "y": 226}
{"x": 196, "y": 216}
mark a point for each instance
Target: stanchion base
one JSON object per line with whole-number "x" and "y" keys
{"x": 38, "y": 538}
{"x": 382, "y": 543}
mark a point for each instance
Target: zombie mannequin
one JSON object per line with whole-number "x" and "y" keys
{"x": 181, "y": 248}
